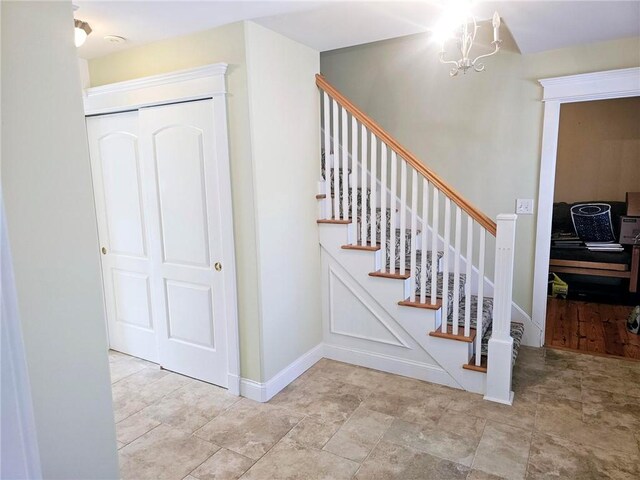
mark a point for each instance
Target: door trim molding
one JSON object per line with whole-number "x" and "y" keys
{"x": 185, "y": 85}
{"x": 556, "y": 91}
{"x": 179, "y": 86}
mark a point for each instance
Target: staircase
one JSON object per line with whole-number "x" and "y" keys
{"x": 389, "y": 221}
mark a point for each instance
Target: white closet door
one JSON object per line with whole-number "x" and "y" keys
{"x": 179, "y": 155}
{"x": 120, "y": 206}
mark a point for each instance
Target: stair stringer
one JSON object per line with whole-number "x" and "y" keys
{"x": 449, "y": 355}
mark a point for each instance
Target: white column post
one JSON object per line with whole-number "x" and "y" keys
{"x": 499, "y": 363}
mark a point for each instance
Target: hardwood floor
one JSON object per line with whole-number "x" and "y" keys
{"x": 596, "y": 328}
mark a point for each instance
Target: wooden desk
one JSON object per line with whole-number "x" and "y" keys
{"x": 599, "y": 269}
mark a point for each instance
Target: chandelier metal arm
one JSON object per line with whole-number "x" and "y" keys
{"x": 466, "y": 39}
{"x": 496, "y": 46}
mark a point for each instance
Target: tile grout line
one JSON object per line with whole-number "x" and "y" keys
{"x": 477, "y": 446}
{"x": 533, "y": 432}
{"x": 140, "y": 436}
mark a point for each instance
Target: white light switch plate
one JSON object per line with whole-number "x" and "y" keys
{"x": 524, "y": 206}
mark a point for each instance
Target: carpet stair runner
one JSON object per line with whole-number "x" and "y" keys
{"x": 517, "y": 329}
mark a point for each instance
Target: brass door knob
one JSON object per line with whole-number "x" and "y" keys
{"x": 103, "y": 250}
{"x": 217, "y": 266}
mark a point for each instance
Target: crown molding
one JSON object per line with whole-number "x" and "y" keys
{"x": 183, "y": 85}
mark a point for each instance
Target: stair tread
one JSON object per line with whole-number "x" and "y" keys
{"x": 478, "y": 368}
{"x": 417, "y": 304}
{"x": 383, "y": 274}
{"x": 451, "y": 336}
{"x": 367, "y": 247}
{"x": 335, "y": 220}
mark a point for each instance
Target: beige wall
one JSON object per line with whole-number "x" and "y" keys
{"x": 284, "y": 111}
{"x": 46, "y": 184}
{"x": 224, "y": 44}
{"x": 598, "y": 150}
{"x": 481, "y": 131}
{"x": 273, "y": 129}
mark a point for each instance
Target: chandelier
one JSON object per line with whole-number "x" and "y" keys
{"x": 459, "y": 24}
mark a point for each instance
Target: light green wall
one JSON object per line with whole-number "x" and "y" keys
{"x": 284, "y": 111}
{"x": 481, "y": 132}
{"x": 46, "y": 183}
{"x": 223, "y": 44}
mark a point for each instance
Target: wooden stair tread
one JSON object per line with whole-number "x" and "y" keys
{"x": 335, "y": 221}
{"x": 472, "y": 364}
{"x": 397, "y": 276}
{"x": 450, "y": 336}
{"x": 418, "y": 304}
{"x": 367, "y": 247}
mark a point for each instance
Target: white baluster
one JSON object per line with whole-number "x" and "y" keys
{"x": 403, "y": 216}
{"x": 445, "y": 261}
{"x": 354, "y": 179}
{"x": 456, "y": 272}
{"x": 434, "y": 245}
{"x": 414, "y": 223}
{"x": 336, "y": 163}
{"x": 423, "y": 257}
{"x": 345, "y": 165}
{"x": 499, "y": 361}
{"x": 363, "y": 189}
{"x": 327, "y": 154}
{"x": 467, "y": 285}
{"x": 479, "y": 318}
{"x": 393, "y": 203}
{"x": 383, "y": 204}
{"x": 374, "y": 189}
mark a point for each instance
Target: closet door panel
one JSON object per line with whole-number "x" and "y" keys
{"x": 122, "y": 194}
{"x": 178, "y": 146}
{"x": 179, "y": 158}
{"x": 127, "y": 269}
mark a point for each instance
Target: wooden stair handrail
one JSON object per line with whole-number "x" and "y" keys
{"x": 488, "y": 224}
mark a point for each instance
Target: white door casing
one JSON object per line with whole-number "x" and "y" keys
{"x": 574, "y": 88}
{"x": 178, "y": 144}
{"x": 123, "y": 231}
{"x": 199, "y": 83}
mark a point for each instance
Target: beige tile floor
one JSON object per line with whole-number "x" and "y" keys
{"x": 575, "y": 417}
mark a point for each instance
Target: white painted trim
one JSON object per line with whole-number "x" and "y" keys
{"x": 333, "y": 273}
{"x": 263, "y": 392}
{"x": 592, "y": 86}
{"x": 183, "y": 85}
{"x": 192, "y": 84}
{"x": 389, "y": 364}
{"x": 559, "y": 90}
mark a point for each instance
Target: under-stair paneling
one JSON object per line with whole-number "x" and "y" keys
{"x": 357, "y": 329}
{"x": 533, "y": 333}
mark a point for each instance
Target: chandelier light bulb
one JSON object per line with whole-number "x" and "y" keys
{"x": 495, "y": 22}
{"x": 458, "y": 22}
{"x": 81, "y": 31}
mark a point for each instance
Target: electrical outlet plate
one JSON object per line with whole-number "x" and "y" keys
{"x": 524, "y": 206}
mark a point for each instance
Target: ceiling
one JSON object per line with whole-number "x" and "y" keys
{"x": 328, "y": 24}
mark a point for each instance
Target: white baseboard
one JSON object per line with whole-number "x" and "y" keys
{"x": 386, "y": 363}
{"x": 263, "y": 392}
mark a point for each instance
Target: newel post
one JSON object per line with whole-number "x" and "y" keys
{"x": 499, "y": 363}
